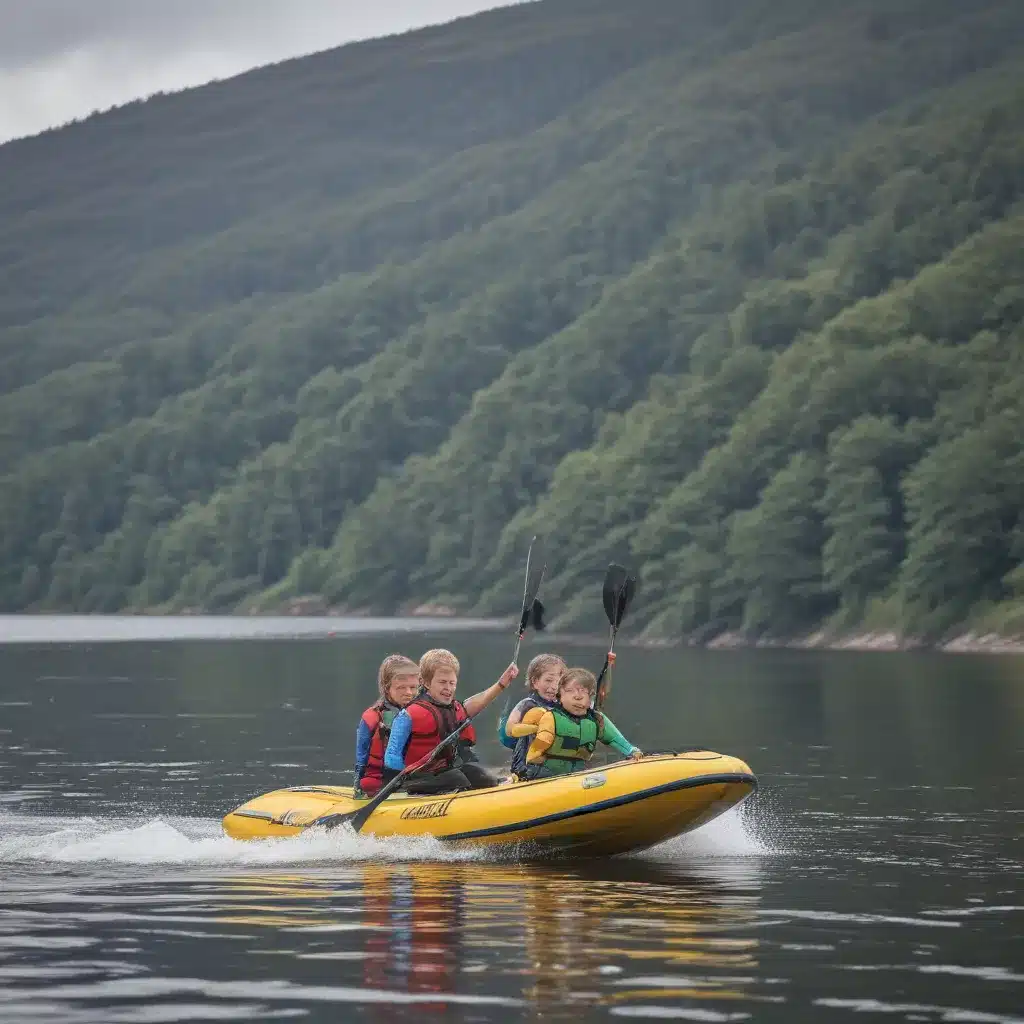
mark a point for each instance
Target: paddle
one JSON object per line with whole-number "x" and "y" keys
{"x": 533, "y": 611}
{"x": 617, "y": 594}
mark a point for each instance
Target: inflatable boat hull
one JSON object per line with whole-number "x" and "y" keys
{"x": 628, "y": 805}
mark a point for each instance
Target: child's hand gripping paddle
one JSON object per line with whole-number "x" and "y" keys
{"x": 619, "y": 588}
{"x": 533, "y": 612}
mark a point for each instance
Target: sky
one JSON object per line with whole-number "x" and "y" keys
{"x": 62, "y": 59}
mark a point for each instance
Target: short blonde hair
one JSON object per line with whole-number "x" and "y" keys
{"x": 434, "y": 659}
{"x": 391, "y": 666}
{"x": 540, "y": 663}
{"x": 583, "y": 676}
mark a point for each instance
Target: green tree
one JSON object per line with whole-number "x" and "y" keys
{"x": 775, "y": 552}
{"x": 588, "y": 270}
{"x": 964, "y": 501}
{"x": 863, "y": 510}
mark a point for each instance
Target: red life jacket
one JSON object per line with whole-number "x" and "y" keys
{"x": 378, "y": 719}
{"x": 431, "y": 723}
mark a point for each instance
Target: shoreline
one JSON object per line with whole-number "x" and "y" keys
{"x": 882, "y": 641}
{"x": 39, "y": 627}
{"x": 967, "y": 642}
{"x": 45, "y": 628}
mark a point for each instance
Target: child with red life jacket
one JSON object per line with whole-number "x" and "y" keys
{"x": 398, "y": 680}
{"x": 432, "y": 716}
{"x": 566, "y": 735}
{"x": 542, "y": 676}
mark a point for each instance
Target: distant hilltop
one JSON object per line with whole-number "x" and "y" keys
{"x": 725, "y": 290}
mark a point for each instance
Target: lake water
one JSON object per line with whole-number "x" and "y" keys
{"x": 877, "y": 875}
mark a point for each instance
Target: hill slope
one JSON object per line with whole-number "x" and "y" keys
{"x": 727, "y": 289}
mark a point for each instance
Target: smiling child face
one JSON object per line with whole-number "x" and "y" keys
{"x": 442, "y": 686}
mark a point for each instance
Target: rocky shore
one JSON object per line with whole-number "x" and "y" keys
{"x": 968, "y": 642}
{"x": 877, "y": 640}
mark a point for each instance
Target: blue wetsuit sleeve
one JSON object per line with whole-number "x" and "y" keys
{"x": 363, "y": 738}
{"x": 522, "y": 707}
{"x": 401, "y": 730}
{"x": 506, "y": 740}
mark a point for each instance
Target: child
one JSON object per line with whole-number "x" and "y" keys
{"x": 565, "y": 736}
{"x": 398, "y": 680}
{"x": 432, "y": 716}
{"x": 542, "y": 675}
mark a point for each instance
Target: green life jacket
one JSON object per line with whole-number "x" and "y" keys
{"x": 575, "y": 738}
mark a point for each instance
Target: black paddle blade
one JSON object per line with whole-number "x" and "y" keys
{"x": 614, "y": 580}
{"x": 353, "y": 819}
{"x": 333, "y": 821}
{"x": 614, "y": 583}
{"x": 537, "y": 615}
{"x": 625, "y": 599}
{"x": 530, "y": 601}
{"x": 535, "y": 569}
{"x": 534, "y": 574}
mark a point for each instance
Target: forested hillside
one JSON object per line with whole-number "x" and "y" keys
{"x": 731, "y": 290}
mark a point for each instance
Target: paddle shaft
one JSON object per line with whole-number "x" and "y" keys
{"x": 618, "y": 592}
{"x": 519, "y": 640}
{"x": 604, "y": 680}
{"x": 524, "y": 617}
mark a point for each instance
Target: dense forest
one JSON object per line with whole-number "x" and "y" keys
{"x": 729, "y": 290}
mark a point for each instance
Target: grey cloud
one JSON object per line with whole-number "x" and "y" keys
{"x": 61, "y": 59}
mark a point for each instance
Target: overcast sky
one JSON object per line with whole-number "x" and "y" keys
{"x": 61, "y": 59}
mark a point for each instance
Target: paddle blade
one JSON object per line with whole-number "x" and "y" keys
{"x": 534, "y": 575}
{"x": 535, "y": 569}
{"x": 333, "y": 821}
{"x": 537, "y": 615}
{"x": 614, "y": 582}
{"x": 625, "y": 600}
{"x": 530, "y": 602}
{"x": 358, "y": 820}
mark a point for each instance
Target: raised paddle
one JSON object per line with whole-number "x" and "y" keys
{"x": 532, "y": 611}
{"x": 617, "y": 594}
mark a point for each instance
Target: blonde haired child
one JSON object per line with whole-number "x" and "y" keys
{"x": 432, "y": 716}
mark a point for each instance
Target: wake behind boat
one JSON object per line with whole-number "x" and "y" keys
{"x": 620, "y": 807}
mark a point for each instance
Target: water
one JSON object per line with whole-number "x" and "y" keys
{"x": 92, "y": 628}
{"x": 876, "y": 876}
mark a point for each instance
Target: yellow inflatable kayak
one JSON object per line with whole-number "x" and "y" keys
{"x": 627, "y": 805}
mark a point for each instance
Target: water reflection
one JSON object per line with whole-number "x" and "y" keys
{"x": 413, "y": 937}
{"x": 616, "y": 934}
